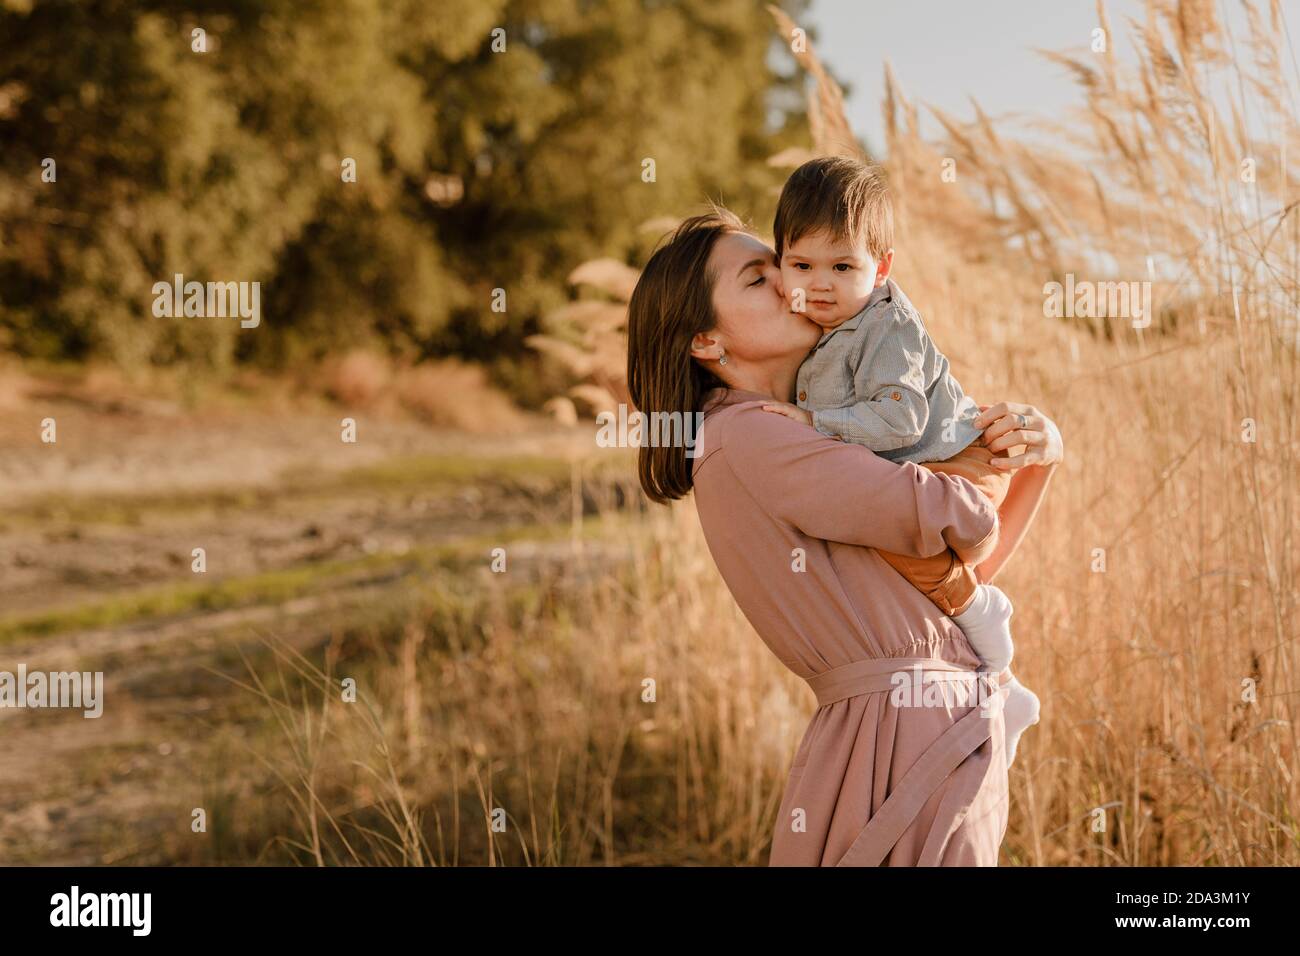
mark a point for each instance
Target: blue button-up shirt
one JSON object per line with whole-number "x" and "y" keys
{"x": 878, "y": 380}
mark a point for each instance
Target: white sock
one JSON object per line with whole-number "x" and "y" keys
{"x": 1019, "y": 711}
{"x": 986, "y": 625}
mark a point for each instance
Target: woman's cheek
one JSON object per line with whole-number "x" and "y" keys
{"x": 796, "y": 291}
{"x": 783, "y": 294}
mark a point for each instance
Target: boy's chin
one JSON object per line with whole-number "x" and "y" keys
{"x": 826, "y": 324}
{"x": 823, "y": 322}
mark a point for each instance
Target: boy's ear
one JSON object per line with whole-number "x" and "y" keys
{"x": 883, "y": 266}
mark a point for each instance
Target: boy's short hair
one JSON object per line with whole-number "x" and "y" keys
{"x": 845, "y": 197}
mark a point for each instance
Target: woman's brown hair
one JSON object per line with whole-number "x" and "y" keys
{"x": 672, "y": 302}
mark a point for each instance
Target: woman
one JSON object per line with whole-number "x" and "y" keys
{"x": 792, "y": 519}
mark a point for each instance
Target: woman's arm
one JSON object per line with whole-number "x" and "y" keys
{"x": 1015, "y": 516}
{"x": 1006, "y": 425}
{"x": 844, "y": 492}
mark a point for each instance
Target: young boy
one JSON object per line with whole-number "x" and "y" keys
{"x": 876, "y": 378}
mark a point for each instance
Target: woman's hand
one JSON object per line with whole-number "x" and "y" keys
{"x": 1006, "y": 424}
{"x": 1009, "y": 423}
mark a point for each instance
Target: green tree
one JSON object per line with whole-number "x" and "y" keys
{"x": 477, "y": 167}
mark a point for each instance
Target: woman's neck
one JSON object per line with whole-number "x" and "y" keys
{"x": 774, "y": 381}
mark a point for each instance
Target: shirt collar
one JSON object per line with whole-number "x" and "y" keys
{"x": 884, "y": 293}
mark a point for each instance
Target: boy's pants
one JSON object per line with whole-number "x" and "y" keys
{"x": 943, "y": 578}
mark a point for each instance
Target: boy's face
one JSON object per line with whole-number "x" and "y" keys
{"x": 830, "y": 281}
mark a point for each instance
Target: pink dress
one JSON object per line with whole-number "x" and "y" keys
{"x": 872, "y": 782}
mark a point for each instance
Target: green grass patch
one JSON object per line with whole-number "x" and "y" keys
{"x": 414, "y": 473}
{"x": 272, "y": 587}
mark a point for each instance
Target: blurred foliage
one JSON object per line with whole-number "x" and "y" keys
{"x": 476, "y": 169}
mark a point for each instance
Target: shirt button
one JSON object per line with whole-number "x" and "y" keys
{"x": 895, "y": 396}
{"x": 803, "y": 396}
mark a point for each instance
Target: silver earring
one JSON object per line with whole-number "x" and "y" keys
{"x": 722, "y": 359}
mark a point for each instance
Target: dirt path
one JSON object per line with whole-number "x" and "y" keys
{"x": 96, "y": 537}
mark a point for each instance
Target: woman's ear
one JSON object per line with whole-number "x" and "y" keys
{"x": 706, "y": 347}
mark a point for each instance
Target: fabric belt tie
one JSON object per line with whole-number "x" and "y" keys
{"x": 934, "y": 766}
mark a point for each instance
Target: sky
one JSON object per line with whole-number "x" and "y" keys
{"x": 944, "y": 52}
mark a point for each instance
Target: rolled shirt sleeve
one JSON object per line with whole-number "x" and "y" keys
{"x": 844, "y": 492}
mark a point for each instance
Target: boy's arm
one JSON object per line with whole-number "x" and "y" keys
{"x": 890, "y": 409}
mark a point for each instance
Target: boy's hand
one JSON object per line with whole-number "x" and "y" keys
{"x": 792, "y": 412}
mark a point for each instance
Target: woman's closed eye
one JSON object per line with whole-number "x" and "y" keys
{"x": 759, "y": 281}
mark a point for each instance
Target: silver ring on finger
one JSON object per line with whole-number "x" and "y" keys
{"x": 1021, "y": 418}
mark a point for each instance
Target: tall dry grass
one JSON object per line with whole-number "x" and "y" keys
{"x": 1155, "y": 597}
{"x": 605, "y": 697}
{"x": 1149, "y": 665}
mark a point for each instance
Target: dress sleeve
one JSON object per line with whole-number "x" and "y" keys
{"x": 838, "y": 491}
